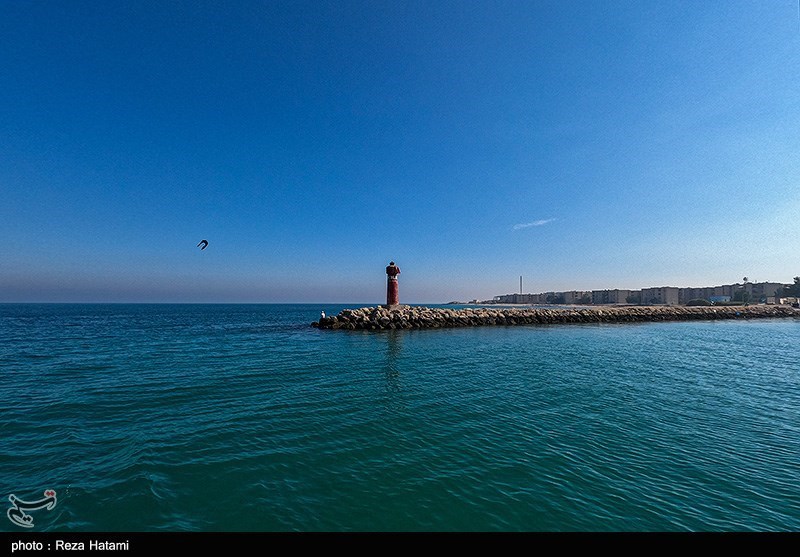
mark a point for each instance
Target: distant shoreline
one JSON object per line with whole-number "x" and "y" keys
{"x": 546, "y": 306}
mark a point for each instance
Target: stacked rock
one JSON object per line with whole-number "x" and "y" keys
{"x": 420, "y": 317}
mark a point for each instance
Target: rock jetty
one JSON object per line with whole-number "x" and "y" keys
{"x": 420, "y": 317}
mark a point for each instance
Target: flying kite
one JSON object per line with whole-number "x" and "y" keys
{"x": 203, "y": 244}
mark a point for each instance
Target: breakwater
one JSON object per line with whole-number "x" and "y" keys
{"x": 420, "y": 317}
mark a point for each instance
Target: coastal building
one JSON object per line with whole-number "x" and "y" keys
{"x": 752, "y": 292}
{"x": 708, "y": 293}
{"x": 685, "y": 295}
{"x": 663, "y": 295}
{"x": 760, "y": 291}
{"x": 616, "y": 296}
{"x": 619, "y": 296}
{"x": 577, "y": 297}
{"x": 552, "y": 297}
{"x": 725, "y": 290}
{"x": 517, "y": 299}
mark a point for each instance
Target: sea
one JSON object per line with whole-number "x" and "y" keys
{"x": 244, "y": 418}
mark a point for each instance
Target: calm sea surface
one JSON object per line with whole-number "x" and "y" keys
{"x": 242, "y": 417}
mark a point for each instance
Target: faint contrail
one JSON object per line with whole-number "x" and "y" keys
{"x": 534, "y": 223}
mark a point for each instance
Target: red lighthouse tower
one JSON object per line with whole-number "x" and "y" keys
{"x": 392, "y": 290}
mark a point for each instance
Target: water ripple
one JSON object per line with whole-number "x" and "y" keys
{"x": 244, "y": 418}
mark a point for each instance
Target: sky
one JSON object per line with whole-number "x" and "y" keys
{"x": 582, "y": 145}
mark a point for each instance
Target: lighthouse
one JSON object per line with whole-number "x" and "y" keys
{"x": 392, "y": 291}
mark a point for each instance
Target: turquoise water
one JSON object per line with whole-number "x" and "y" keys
{"x": 242, "y": 417}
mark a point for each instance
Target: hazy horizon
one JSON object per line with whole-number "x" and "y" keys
{"x": 378, "y": 297}
{"x": 581, "y": 145}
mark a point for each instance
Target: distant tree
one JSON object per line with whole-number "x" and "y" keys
{"x": 633, "y": 298}
{"x": 699, "y": 302}
{"x": 793, "y": 290}
{"x": 745, "y": 294}
{"x": 585, "y": 299}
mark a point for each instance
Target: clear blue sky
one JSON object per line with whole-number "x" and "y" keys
{"x": 580, "y": 144}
